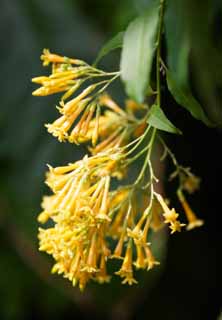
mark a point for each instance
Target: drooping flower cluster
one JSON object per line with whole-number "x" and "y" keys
{"x": 90, "y": 221}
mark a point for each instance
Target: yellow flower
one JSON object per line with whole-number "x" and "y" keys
{"x": 151, "y": 261}
{"x": 91, "y": 262}
{"x": 47, "y": 57}
{"x": 170, "y": 215}
{"x": 133, "y": 106}
{"x": 58, "y": 82}
{"x": 119, "y": 247}
{"x": 103, "y": 210}
{"x": 191, "y": 183}
{"x": 102, "y": 276}
{"x": 60, "y": 127}
{"x": 79, "y": 132}
{"x": 79, "y": 102}
{"x": 47, "y": 211}
{"x": 75, "y": 264}
{"x": 117, "y": 222}
{"x": 140, "y": 235}
{"x": 157, "y": 221}
{"x": 140, "y": 262}
{"x": 139, "y": 130}
{"x": 191, "y": 216}
{"x": 126, "y": 270}
{"x": 176, "y": 226}
{"x": 136, "y": 233}
{"x": 107, "y": 101}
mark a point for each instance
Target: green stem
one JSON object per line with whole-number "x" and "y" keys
{"x": 146, "y": 162}
{"x": 130, "y": 160}
{"x": 158, "y": 57}
{"x": 139, "y": 142}
{"x": 108, "y": 74}
{"x": 158, "y": 89}
{"x": 108, "y": 82}
{"x": 170, "y": 153}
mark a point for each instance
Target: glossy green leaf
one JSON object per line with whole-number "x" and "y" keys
{"x": 206, "y": 56}
{"x": 195, "y": 36}
{"x": 184, "y": 97}
{"x": 139, "y": 45}
{"x": 114, "y": 43}
{"x": 158, "y": 119}
{"x": 177, "y": 40}
{"x": 142, "y": 5}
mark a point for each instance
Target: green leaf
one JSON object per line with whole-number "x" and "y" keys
{"x": 139, "y": 45}
{"x": 196, "y": 37}
{"x": 184, "y": 97}
{"x": 142, "y": 5}
{"x": 177, "y": 40}
{"x": 206, "y": 57}
{"x": 114, "y": 43}
{"x": 158, "y": 119}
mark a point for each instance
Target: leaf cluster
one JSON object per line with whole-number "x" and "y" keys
{"x": 193, "y": 50}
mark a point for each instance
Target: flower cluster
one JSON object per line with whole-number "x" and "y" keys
{"x": 89, "y": 221}
{"x": 77, "y": 122}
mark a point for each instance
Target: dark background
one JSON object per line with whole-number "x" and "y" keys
{"x": 186, "y": 287}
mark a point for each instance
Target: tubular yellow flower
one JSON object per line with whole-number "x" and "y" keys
{"x": 46, "y": 206}
{"x": 126, "y": 270}
{"x": 117, "y": 223}
{"x": 95, "y": 130}
{"x": 117, "y": 254}
{"x": 102, "y": 276}
{"x": 119, "y": 196}
{"x": 45, "y": 91}
{"x": 140, "y": 262}
{"x": 60, "y": 81}
{"x": 47, "y": 57}
{"x": 157, "y": 221}
{"x": 75, "y": 265}
{"x": 176, "y": 226}
{"x": 79, "y": 133}
{"x": 137, "y": 233}
{"x": 191, "y": 183}
{"x": 106, "y": 100}
{"x": 114, "y": 140}
{"x": 150, "y": 259}
{"x": 140, "y": 129}
{"x": 146, "y": 228}
{"x": 60, "y": 127}
{"x": 133, "y": 106}
{"x": 102, "y": 215}
{"x": 170, "y": 215}
{"x": 91, "y": 262}
{"x": 191, "y": 216}
{"x": 71, "y": 106}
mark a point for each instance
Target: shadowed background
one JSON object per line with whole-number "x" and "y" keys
{"x": 185, "y": 287}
